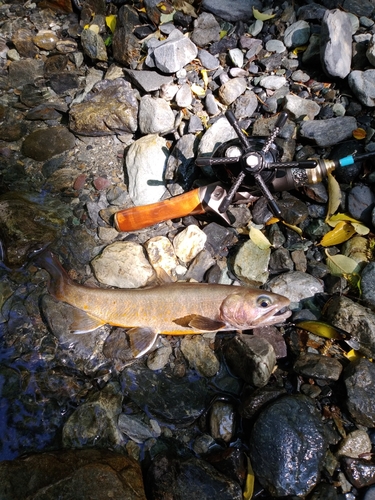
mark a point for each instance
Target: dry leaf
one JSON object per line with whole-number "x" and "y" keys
{"x": 335, "y": 196}
{"x": 197, "y": 90}
{"x": 340, "y": 265}
{"x": 262, "y": 17}
{"x": 359, "y": 134}
{"x": 341, "y": 232}
{"x": 95, "y": 28}
{"x": 293, "y": 228}
{"x": 166, "y": 18}
{"x": 360, "y": 228}
{"x": 259, "y": 239}
{"x": 184, "y": 7}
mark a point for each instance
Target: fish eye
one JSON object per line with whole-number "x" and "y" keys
{"x": 264, "y": 301}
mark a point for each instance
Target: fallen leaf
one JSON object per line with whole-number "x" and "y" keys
{"x": 204, "y": 77}
{"x": 341, "y": 265}
{"x": 360, "y": 228}
{"x": 197, "y": 90}
{"x": 223, "y": 33}
{"x": 166, "y": 18}
{"x": 359, "y": 134}
{"x": 335, "y": 219}
{"x": 335, "y": 196}
{"x": 340, "y": 233}
{"x": 111, "y": 22}
{"x": 321, "y": 329}
{"x": 293, "y": 228}
{"x": 298, "y": 50}
{"x": 184, "y": 7}
{"x": 95, "y": 28}
{"x": 262, "y": 17}
{"x": 249, "y": 483}
{"x": 259, "y": 239}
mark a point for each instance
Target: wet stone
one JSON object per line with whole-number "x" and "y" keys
{"x": 23, "y": 41}
{"x": 158, "y": 392}
{"x": 72, "y": 474}
{"x": 25, "y": 71}
{"x": 359, "y": 379}
{"x": 138, "y": 427}
{"x": 62, "y": 82}
{"x": 251, "y": 358}
{"x": 110, "y": 108}
{"x": 43, "y": 144}
{"x": 45, "y": 39}
{"x": 222, "y": 421}
{"x": 291, "y": 421}
{"x": 170, "y": 476}
{"x": 93, "y": 45}
{"x": 199, "y": 355}
{"x": 355, "y": 444}
{"x": 318, "y": 367}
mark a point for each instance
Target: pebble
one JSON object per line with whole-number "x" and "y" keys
{"x": 199, "y": 355}
{"x": 359, "y": 377}
{"x": 137, "y": 428}
{"x": 155, "y": 116}
{"x": 336, "y": 43}
{"x": 172, "y": 54}
{"x": 297, "y": 34}
{"x": 222, "y": 421}
{"x": 363, "y": 86}
{"x": 188, "y": 243}
{"x": 43, "y": 144}
{"x": 295, "y": 285}
{"x": 232, "y": 89}
{"x": 355, "y": 444}
{"x": 318, "y": 367}
{"x": 329, "y": 132}
{"x": 361, "y": 201}
{"x": 206, "y": 30}
{"x": 250, "y": 264}
{"x": 300, "y": 108}
{"x": 226, "y": 9}
{"x": 184, "y": 96}
{"x": 367, "y": 283}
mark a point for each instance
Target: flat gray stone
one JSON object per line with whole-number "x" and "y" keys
{"x": 329, "y": 132}
{"x": 362, "y": 83}
{"x": 240, "y": 10}
{"x": 148, "y": 81}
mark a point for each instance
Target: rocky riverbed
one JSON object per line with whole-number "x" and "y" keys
{"x": 105, "y": 106}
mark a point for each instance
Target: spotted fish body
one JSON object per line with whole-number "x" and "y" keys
{"x": 171, "y": 308}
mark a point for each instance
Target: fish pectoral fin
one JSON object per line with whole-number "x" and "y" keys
{"x": 141, "y": 340}
{"x": 83, "y": 322}
{"x": 200, "y": 323}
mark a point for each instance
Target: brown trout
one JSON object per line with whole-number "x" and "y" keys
{"x": 170, "y": 308}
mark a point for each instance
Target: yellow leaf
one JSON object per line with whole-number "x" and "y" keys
{"x": 293, "y": 228}
{"x": 259, "y": 239}
{"x": 166, "y": 18}
{"x": 359, "y": 134}
{"x": 111, "y": 22}
{"x": 298, "y": 50}
{"x": 340, "y": 265}
{"x": 335, "y": 219}
{"x": 249, "y": 483}
{"x": 262, "y": 17}
{"x": 321, "y": 329}
{"x": 204, "y": 77}
{"x": 197, "y": 90}
{"x": 334, "y": 193}
{"x": 353, "y": 355}
{"x": 223, "y": 34}
{"x": 340, "y": 233}
{"x": 271, "y": 221}
{"x": 95, "y": 28}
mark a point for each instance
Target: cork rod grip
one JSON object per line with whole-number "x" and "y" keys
{"x": 134, "y": 218}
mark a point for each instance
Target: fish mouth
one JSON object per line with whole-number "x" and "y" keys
{"x": 276, "y": 316}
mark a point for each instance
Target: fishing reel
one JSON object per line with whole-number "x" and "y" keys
{"x": 248, "y": 161}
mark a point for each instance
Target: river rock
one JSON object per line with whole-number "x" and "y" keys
{"x": 146, "y": 162}
{"x": 93, "y": 45}
{"x": 329, "y": 132}
{"x": 67, "y": 474}
{"x": 232, "y": 89}
{"x": 316, "y": 366}
{"x": 359, "y": 379}
{"x": 199, "y": 355}
{"x": 362, "y": 83}
{"x": 297, "y": 34}
{"x": 123, "y": 264}
{"x": 336, "y": 43}
{"x": 250, "y": 264}
{"x": 188, "y": 243}
{"x": 299, "y": 107}
{"x": 155, "y": 116}
{"x": 161, "y": 254}
{"x": 290, "y": 421}
{"x": 44, "y": 143}
{"x": 206, "y": 30}
{"x": 295, "y": 285}
{"x": 147, "y": 81}
{"x": 226, "y": 9}
{"x": 110, "y": 108}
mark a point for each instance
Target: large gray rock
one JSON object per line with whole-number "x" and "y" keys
{"x": 362, "y": 84}
{"x": 336, "y": 43}
{"x": 240, "y": 10}
{"x": 155, "y": 116}
{"x": 329, "y": 132}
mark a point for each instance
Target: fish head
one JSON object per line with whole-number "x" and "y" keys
{"x": 251, "y": 308}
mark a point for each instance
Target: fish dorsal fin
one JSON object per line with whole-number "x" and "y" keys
{"x": 200, "y": 323}
{"x": 83, "y": 322}
{"x": 141, "y": 340}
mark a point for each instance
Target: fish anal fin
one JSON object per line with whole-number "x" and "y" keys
{"x": 200, "y": 323}
{"x": 141, "y": 340}
{"x": 83, "y": 322}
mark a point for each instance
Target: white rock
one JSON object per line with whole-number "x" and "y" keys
{"x": 189, "y": 243}
{"x": 146, "y": 162}
{"x": 161, "y": 254}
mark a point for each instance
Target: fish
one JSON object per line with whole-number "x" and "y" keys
{"x": 174, "y": 308}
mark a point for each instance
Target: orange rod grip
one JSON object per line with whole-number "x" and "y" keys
{"x": 134, "y": 218}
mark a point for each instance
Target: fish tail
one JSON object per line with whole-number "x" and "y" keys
{"x": 59, "y": 278}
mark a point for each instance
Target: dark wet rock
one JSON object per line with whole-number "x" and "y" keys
{"x": 126, "y": 47}
{"x": 336, "y": 43}
{"x": 47, "y": 111}
{"x": 318, "y": 367}
{"x": 222, "y": 421}
{"x": 72, "y": 474}
{"x": 94, "y": 423}
{"x": 25, "y": 71}
{"x": 93, "y": 45}
{"x": 329, "y": 132}
{"x": 280, "y": 261}
{"x": 186, "y": 476}
{"x": 297, "y": 34}
{"x": 55, "y": 63}
{"x": 225, "y": 9}
{"x": 12, "y": 127}
{"x": 158, "y": 392}
{"x": 231, "y": 462}
{"x": 257, "y": 400}
{"x": 355, "y": 319}
{"x": 219, "y": 238}
{"x": 360, "y": 472}
{"x": 43, "y": 144}
{"x": 110, "y": 108}
{"x": 359, "y": 379}
{"x": 251, "y": 358}
{"x": 293, "y": 210}
{"x": 361, "y": 201}
{"x": 291, "y": 421}
{"x": 22, "y": 239}
{"x": 62, "y": 82}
